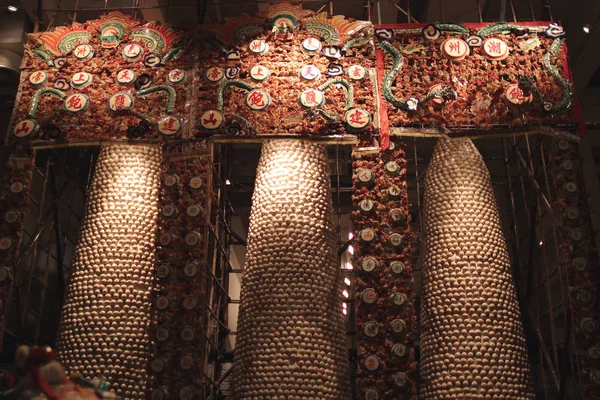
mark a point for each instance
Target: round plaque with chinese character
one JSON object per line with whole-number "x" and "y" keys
{"x": 394, "y": 192}
{"x": 125, "y": 76}
{"x": 372, "y": 362}
{"x": 211, "y": 120}
{"x": 515, "y": 95}
{"x": 589, "y": 325}
{"x": 196, "y": 182}
{"x": 11, "y": 216}
{"x": 572, "y": 213}
{"x": 132, "y": 52}
{"x": 170, "y": 125}
{"x": 368, "y": 264}
{"x": 157, "y": 365}
{"x": 165, "y": 238}
{"x": 311, "y": 98}
{"x": 171, "y": 180}
{"x": 455, "y": 49}
{"x": 570, "y": 187}
{"x": 397, "y": 267}
{"x": 371, "y": 329}
{"x": 162, "y": 302}
{"x": 357, "y": 118}
{"x": 366, "y": 205}
{"x": 400, "y": 379}
{"x": 188, "y": 333}
{"x": 190, "y": 303}
{"x": 356, "y": 72}
{"x": 214, "y": 74}
{"x": 576, "y": 235}
{"x": 38, "y": 78}
{"x": 259, "y": 73}
{"x": 311, "y": 45}
{"x": 80, "y": 80}
{"x": 395, "y": 239}
{"x": 567, "y": 165}
{"x": 397, "y": 215}
{"x": 83, "y": 52}
{"x": 176, "y": 76}
{"x": 186, "y": 393}
{"x": 191, "y": 269}
{"x": 365, "y": 176}
{"x": 398, "y": 299}
{"x": 258, "y": 46}
{"x": 162, "y": 334}
{"x": 399, "y": 350}
{"x": 310, "y": 72}
{"x": 17, "y": 187}
{"x": 398, "y": 325}
{"x": 120, "y": 101}
{"x": 25, "y": 128}
{"x": 193, "y": 210}
{"x": 367, "y": 235}
{"x": 76, "y": 102}
{"x": 163, "y": 270}
{"x": 258, "y": 99}
{"x": 371, "y": 394}
{"x": 4, "y": 274}
{"x": 392, "y": 167}
{"x": 193, "y": 239}
{"x": 186, "y": 361}
{"x": 580, "y": 264}
{"x": 158, "y": 394}
{"x": 495, "y": 49}
{"x": 563, "y": 145}
{"x": 168, "y": 210}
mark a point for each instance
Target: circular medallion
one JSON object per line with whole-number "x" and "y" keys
{"x": 4, "y": 274}
{"x": 311, "y": 98}
{"x": 193, "y": 239}
{"x": 162, "y": 302}
{"x": 38, "y": 78}
{"x": 83, "y": 52}
{"x": 395, "y": 239}
{"x": 397, "y": 267}
{"x": 25, "y": 128}
{"x": 369, "y": 296}
{"x": 357, "y": 118}
{"x": 188, "y": 333}
{"x": 232, "y": 72}
{"x": 515, "y": 95}
{"x": 572, "y": 213}
{"x": 196, "y": 182}
{"x": 190, "y": 303}
{"x": 186, "y": 393}
{"x": 211, "y": 120}
{"x": 369, "y": 264}
{"x": 371, "y": 394}
{"x": 567, "y": 165}
{"x": 80, "y": 80}
{"x": 311, "y": 45}
{"x": 371, "y": 362}
{"x": 165, "y": 238}
{"x": 163, "y": 270}
{"x": 76, "y": 102}
{"x": 580, "y": 264}
{"x": 132, "y": 52}
{"x": 589, "y": 325}
{"x": 157, "y": 365}
{"x": 365, "y": 176}
{"x": 120, "y": 101}
{"x": 576, "y": 235}
{"x": 400, "y": 379}
{"x": 162, "y": 334}
{"x": 335, "y": 70}
{"x": 398, "y": 325}
{"x": 170, "y": 125}
{"x": 563, "y": 145}
{"x": 397, "y": 216}
{"x": 125, "y": 76}
{"x": 11, "y": 216}
{"x": 399, "y": 350}
{"x": 191, "y": 269}
{"x": 5, "y": 243}
{"x": 392, "y": 167}
{"x": 259, "y": 73}
{"x": 371, "y": 329}
{"x": 214, "y": 74}
{"x": 193, "y": 210}
{"x": 570, "y": 187}
{"x": 310, "y": 72}
{"x": 332, "y": 52}
{"x": 258, "y": 46}
{"x": 366, "y": 205}
{"x": 186, "y": 362}
{"x": 594, "y": 352}
{"x": 394, "y": 192}
{"x": 171, "y": 180}
{"x": 17, "y": 187}
{"x": 495, "y": 49}
{"x": 258, "y": 99}
{"x": 158, "y": 394}
{"x": 356, "y": 72}
{"x": 398, "y": 299}
{"x": 176, "y": 76}
{"x": 455, "y": 49}
{"x": 152, "y": 60}
{"x": 168, "y": 210}
{"x": 391, "y": 147}
{"x": 584, "y": 296}
{"x": 367, "y": 235}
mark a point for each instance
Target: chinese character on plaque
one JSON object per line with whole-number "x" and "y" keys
{"x": 38, "y": 78}
{"x": 259, "y": 73}
{"x": 356, "y": 72}
{"x": 357, "y": 118}
{"x": 515, "y": 95}
{"x": 258, "y": 99}
{"x": 211, "y": 119}
{"x": 176, "y": 76}
{"x": 83, "y": 52}
{"x": 76, "y": 102}
{"x": 311, "y": 45}
{"x": 258, "y": 46}
{"x": 81, "y": 79}
{"x": 132, "y": 51}
{"x": 495, "y": 49}
{"x": 169, "y": 125}
{"x": 214, "y": 74}
{"x": 125, "y": 76}
{"x": 310, "y": 72}
{"x": 120, "y": 101}
{"x": 25, "y": 128}
{"x": 311, "y": 98}
{"x": 455, "y": 49}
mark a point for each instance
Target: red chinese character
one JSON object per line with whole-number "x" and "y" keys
{"x": 176, "y": 75}
{"x": 311, "y": 98}
{"x": 494, "y": 47}
{"x": 255, "y": 45}
{"x": 212, "y": 121}
{"x": 124, "y": 75}
{"x": 308, "y": 72}
{"x": 214, "y": 73}
{"x": 516, "y": 94}
{"x": 37, "y": 76}
{"x": 356, "y": 71}
{"x": 256, "y": 99}
{"x": 120, "y": 101}
{"x": 455, "y": 46}
{"x": 258, "y": 72}
{"x": 23, "y": 129}
{"x": 81, "y": 51}
{"x": 169, "y": 126}
{"x": 75, "y": 103}
{"x": 80, "y": 78}
{"x": 130, "y": 49}
{"x": 310, "y": 42}
{"x": 356, "y": 118}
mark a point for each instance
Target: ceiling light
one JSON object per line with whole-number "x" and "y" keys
{"x": 587, "y": 28}
{"x": 227, "y": 182}
{"x": 12, "y": 8}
